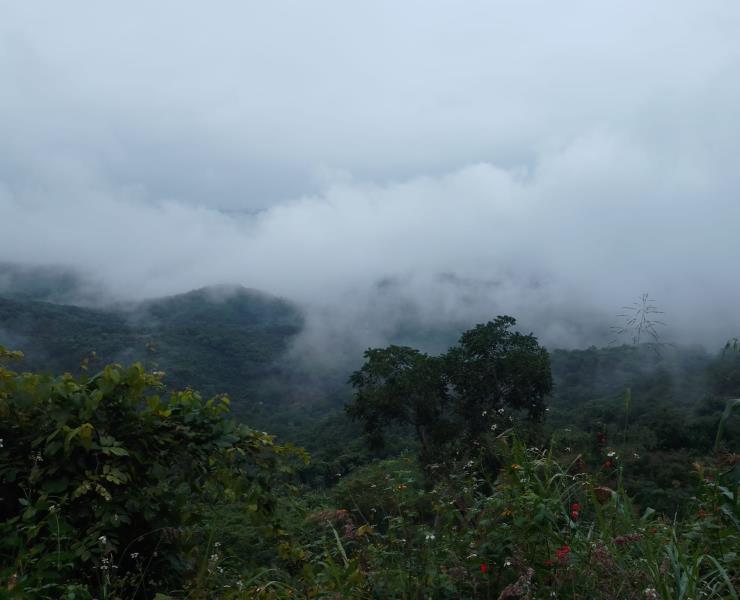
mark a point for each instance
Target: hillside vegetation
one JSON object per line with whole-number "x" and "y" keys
{"x": 495, "y": 469}
{"x": 115, "y": 488}
{"x": 224, "y": 339}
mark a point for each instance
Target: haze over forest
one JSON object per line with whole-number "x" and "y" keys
{"x": 442, "y": 162}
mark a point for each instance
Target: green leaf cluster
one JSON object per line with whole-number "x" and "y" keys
{"x": 98, "y": 472}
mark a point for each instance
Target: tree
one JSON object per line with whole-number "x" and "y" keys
{"x": 454, "y": 398}
{"x": 400, "y": 384}
{"x": 493, "y": 367}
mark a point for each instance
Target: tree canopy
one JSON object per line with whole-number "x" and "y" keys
{"x": 458, "y": 396}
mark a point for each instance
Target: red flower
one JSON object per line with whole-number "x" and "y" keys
{"x": 574, "y": 514}
{"x": 483, "y": 567}
{"x": 575, "y": 506}
{"x": 561, "y": 553}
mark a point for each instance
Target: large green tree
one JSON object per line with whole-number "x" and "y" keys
{"x": 455, "y": 399}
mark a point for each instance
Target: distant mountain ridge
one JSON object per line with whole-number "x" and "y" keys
{"x": 217, "y": 339}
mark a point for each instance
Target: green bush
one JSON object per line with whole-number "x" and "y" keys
{"x": 101, "y": 478}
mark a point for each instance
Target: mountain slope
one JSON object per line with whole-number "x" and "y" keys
{"x": 223, "y": 339}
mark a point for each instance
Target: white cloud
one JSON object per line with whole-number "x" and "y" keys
{"x": 455, "y": 160}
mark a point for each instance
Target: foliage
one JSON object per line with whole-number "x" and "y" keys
{"x": 101, "y": 478}
{"x": 547, "y": 527}
{"x": 446, "y": 398}
{"x": 218, "y": 339}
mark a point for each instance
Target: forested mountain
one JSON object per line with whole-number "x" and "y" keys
{"x": 627, "y": 430}
{"x": 223, "y": 339}
{"x": 230, "y": 339}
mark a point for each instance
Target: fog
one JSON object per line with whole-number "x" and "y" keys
{"x": 432, "y": 163}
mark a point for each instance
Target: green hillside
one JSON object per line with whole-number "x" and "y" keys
{"x": 223, "y": 339}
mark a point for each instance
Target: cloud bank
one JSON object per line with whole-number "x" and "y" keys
{"x": 428, "y": 163}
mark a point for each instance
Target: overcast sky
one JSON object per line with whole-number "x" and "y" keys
{"x": 456, "y": 160}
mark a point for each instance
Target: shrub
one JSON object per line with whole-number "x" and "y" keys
{"x": 101, "y": 476}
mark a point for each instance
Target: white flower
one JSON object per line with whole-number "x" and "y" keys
{"x": 507, "y": 563}
{"x": 494, "y": 427}
{"x": 103, "y": 540}
{"x": 429, "y": 537}
{"x": 1, "y": 443}
{"x": 500, "y": 411}
{"x": 611, "y": 454}
{"x": 134, "y": 555}
{"x": 483, "y": 414}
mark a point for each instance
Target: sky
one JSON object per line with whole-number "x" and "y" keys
{"x": 435, "y": 162}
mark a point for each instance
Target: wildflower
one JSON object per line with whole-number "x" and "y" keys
{"x": 562, "y": 553}
{"x": 611, "y": 454}
{"x": 516, "y": 466}
{"x": 507, "y": 512}
{"x": 429, "y": 537}
{"x": 635, "y": 455}
{"x": 134, "y": 555}
{"x": 484, "y": 413}
{"x": 483, "y": 568}
{"x": 494, "y": 427}
{"x": 575, "y": 506}
{"x": 507, "y": 563}
{"x": 651, "y": 593}
{"x": 568, "y": 449}
{"x": 1, "y": 443}
{"x": 500, "y": 411}
{"x": 103, "y": 540}
{"x": 574, "y": 514}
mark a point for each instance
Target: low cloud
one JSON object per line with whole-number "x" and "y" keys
{"x": 393, "y": 171}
